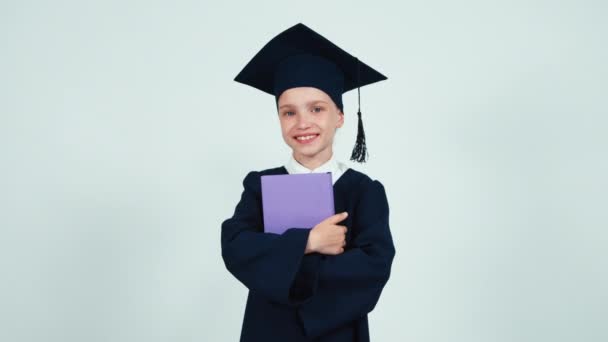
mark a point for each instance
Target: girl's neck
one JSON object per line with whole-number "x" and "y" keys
{"x": 314, "y": 162}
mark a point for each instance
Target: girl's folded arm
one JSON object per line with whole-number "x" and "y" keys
{"x": 265, "y": 263}
{"x": 348, "y": 285}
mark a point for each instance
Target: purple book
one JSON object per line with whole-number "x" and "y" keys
{"x": 296, "y": 200}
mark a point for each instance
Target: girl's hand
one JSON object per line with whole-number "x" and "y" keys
{"x": 327, "y": 237}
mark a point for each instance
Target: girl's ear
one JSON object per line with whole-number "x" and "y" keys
{"x": 340, "y": 119}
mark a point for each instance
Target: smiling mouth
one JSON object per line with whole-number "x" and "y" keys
{"x": 306, "y": 139}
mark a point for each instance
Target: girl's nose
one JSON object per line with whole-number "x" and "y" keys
{"x": 303, "y": 120}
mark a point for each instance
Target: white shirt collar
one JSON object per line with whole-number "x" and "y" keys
{"x": 336, "y": 168}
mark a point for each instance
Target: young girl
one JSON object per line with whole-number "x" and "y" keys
{"x": 311, "y": 283}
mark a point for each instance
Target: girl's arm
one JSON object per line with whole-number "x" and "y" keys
{"x": 265, "y": 263}
{"x": 347, "y": 286}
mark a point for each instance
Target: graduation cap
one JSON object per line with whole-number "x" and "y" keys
{"x": 300, "y": 57}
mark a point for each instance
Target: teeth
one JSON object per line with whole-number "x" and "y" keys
{"x": 308, "y": 137}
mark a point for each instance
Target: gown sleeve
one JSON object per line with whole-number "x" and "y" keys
{"x": 347, "y": 286}
{"x": 265, "y": 263}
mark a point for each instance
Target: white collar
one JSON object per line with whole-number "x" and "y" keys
{"x": 332, "y": 165}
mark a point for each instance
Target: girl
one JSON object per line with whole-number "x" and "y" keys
{"x": 317, "y": 283}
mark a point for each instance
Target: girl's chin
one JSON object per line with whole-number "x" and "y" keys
{"x": 307, "y": 152}
{"x": 305, "y": 147}
{"x": 309, "y": 148}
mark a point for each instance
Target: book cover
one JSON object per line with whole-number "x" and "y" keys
{"x": 296, "y": 200}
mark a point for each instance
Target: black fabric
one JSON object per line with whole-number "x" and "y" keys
{"x": 313, "y": 297}
{"x": 308, "y": 70}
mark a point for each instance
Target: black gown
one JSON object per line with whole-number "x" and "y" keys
{"x": 310, "y": 297}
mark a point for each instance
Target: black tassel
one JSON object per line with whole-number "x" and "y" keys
{"x": 359, "y": 153}
{"x": 360, "y": 150}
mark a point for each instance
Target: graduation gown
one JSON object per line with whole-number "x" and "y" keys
{"x": 310, "y": 297}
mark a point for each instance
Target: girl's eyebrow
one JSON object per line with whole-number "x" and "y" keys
{"x": 307, "y": 103}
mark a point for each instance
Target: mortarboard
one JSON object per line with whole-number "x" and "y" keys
{"x": 299, "y": 57}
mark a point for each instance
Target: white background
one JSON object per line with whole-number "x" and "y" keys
{"x": 124, "y": 141}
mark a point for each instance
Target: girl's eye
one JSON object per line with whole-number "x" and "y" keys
{"x": 317, "y": 109}
{"x": 288, "y": 113}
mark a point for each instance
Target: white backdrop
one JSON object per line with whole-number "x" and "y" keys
{"x": 124, "y": 142}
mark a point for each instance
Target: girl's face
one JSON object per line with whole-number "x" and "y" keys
{"x": 309, "y": 119}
